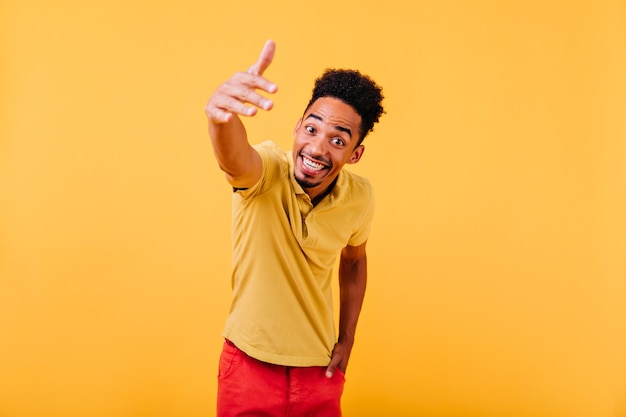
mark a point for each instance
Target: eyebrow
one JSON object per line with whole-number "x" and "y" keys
{"x": 340, "y": 128}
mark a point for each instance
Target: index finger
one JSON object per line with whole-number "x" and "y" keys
{"x": 265, "y": 59}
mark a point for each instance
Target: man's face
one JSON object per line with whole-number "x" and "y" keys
{"x": 324, "y": 141}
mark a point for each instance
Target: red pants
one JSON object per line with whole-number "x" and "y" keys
{"x": 249, "y": 387}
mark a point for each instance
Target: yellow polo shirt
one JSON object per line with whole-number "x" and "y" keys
{"x": 284, "y": 250}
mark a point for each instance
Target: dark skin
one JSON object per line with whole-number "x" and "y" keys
{"x": 325, "y": 139}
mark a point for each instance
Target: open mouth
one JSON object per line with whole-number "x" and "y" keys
{"x": 312, "y": 166}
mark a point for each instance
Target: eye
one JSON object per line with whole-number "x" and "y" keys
{"x": 338, "y": 141}
{"x": 310, "y": 129}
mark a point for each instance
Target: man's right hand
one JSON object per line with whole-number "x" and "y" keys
{"x": 239, "y": 94}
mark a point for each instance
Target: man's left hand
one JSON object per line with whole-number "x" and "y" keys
{"x": 339, "y": 359}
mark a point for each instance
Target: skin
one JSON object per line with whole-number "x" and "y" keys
{"x": 325, "y": 139}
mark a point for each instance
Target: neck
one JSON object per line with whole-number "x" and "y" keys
{"x": 317, "y": 198}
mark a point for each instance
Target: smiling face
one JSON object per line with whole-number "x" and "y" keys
{"x": 325, "y": 139}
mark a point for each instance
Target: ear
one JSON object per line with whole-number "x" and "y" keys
{"x": 297, "y": 127}
{"x": 356, "y": 154}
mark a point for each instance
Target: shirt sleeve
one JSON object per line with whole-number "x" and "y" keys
{"x": 272, "y": 159}
{"x": 361, "y": 234}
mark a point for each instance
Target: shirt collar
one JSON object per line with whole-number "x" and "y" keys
{"x": 332, "y": 197}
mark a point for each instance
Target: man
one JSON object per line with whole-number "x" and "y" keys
{"x": 293, "y": 214}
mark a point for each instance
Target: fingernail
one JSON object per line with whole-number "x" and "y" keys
{"x": 329, "y": 374}
{"x": 272, "y": 88}
{"x": 267, "y": 104}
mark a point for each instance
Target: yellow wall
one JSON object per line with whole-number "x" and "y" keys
{"x": 497, "y": 260}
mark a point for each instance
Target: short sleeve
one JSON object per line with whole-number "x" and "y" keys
{"x": 361, "y": 234}
{"x": 274, "y": 164}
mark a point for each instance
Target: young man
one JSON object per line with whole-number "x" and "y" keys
{"x": 293, "y": 214}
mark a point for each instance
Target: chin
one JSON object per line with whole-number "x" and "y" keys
{"x": 304, "y": 183}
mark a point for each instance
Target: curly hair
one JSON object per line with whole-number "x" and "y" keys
{"x": 355, "y": 89}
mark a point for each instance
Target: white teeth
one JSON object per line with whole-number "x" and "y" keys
{"x": 312, "y": 165}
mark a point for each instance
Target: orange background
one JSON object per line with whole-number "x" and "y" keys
{"x": 497, "y": 258}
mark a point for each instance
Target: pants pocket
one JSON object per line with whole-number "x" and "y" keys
{"x": 229, "y": 359}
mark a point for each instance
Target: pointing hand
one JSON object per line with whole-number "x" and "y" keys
{"x": 238, "y": 95}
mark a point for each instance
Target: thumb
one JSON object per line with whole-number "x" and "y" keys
{"x": 334, "y": 362}
{"x": 265, "y": 59}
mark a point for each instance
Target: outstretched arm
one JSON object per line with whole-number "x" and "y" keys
{"x": 352, "y": 283}
{"x": 236, "y": 97}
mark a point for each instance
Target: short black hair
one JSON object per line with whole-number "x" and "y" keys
{"x": 355, "y": 89}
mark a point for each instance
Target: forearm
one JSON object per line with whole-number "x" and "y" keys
{"x": 230, "y": 146}
{"x": 352, "y": 284}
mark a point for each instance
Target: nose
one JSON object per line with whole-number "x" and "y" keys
{"x": 317, "y": 146}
